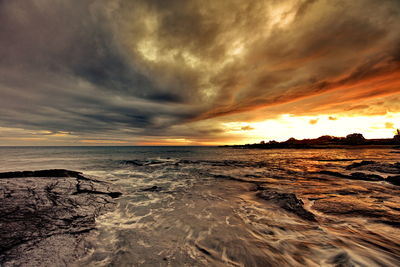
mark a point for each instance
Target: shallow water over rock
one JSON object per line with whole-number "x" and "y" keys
{"x": 237, "y": 207}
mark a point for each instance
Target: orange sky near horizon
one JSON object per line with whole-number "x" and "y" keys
{"x": 237, "y": 132}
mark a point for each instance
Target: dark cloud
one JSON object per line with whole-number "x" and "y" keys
{"x": 147, "y": 67}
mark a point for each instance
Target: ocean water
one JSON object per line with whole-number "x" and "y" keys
{"x": 198, "y": 206}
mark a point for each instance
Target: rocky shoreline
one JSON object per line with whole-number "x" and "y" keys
{"x": 351, "y": 141}
{"x": 45, "y": 215}
{"x": 374, "y": 187}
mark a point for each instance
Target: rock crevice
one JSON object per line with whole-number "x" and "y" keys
{"x": 56, "y": 206}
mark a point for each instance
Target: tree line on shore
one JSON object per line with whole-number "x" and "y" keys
{"x": 328, "y": 141}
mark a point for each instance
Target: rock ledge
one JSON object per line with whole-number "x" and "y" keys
{"x": 45, "y": 213}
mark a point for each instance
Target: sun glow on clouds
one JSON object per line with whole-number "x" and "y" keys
{"x": 193, "y": 72}
{"x": 282, "y": 15}
{"x": 301, "y": 127}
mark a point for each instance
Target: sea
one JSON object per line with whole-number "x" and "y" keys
{"x": 200, "y": 206}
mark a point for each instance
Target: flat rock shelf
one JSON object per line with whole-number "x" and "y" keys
{"x": 45, "y": 215}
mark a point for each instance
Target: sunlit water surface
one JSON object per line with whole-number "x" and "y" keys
{"x": 197, "y": 206}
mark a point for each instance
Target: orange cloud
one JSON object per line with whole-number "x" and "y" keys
{"x": 376, "y": 84}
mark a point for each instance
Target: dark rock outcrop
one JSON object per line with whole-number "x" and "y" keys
{"x": 46, "y": 212}
{"x": 359, "y": 164}
{"x": 343, "y": 207}
{"x": 374, "y": 166}
{"x": 288, "y": 202}
{"x": 137, "y": 162}
{"x": 43, "y": 173}
{"x": 355, "y": 176}
{"x": 342, "y": 259}
{"x": 370, "y": 166}
{"x": 394, "y": 180}
{"x": 366, "y": 177}
{"x": 152, "y": 189}
{"x": 134, "y": 162}
{"x": 336, "y": 174}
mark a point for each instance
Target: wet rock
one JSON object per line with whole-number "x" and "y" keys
{"x": 374, "y": 166}
{"x": 366, "y": 177}
{"x": 288, "y": 202}
{"x": 148, "y": 162}
{"x": 345, "y": 207}
{"x": 355, "y": 176}
{"x": 46, "y": 212}
{"x": 203, "y": 250}
{"x": 228, "y": 163}
{"x": 394, "y": 180}
{"x": 346, "y": 192}
{"x": 252, "y": 176}
{"x": 334, "y": 160}
{"x": 342, "y": 259}
{"x": 358, "y": 164}
{"x": 227, "y": 177}
{"x": 134, "y": 162}
{"x": 336, "y": 174}
{"x": 389, "y": 222}
{"x": 152, "y": 189}
{"x": 43, "y": 173}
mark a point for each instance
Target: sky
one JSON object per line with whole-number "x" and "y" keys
{"x": 197, "y": 72}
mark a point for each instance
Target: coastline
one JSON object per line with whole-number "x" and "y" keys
{"x": 257, "y": 146}
{"x": 182, "y": 209}
{"x": 351, "y": 141}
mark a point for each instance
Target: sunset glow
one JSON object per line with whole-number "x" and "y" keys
{"x": 195, "y": 73}
{"x": 199, "y": 133}
{"x": 315, "y": 126}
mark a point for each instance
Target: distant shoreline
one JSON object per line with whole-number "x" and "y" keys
{"x": 351, "y": 141}
{"x": 255, "y": 146}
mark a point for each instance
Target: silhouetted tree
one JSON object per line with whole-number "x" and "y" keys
{"x": 396, "y": 138}
{"x": 324, "y": 139}
{"x": 291, "y": 141}
{"x": 355, "y": 139}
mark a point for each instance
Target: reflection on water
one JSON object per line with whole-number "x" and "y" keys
{"x": 200, "y": 206}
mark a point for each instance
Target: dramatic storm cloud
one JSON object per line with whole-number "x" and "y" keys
{"x": 145, "y": 70}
